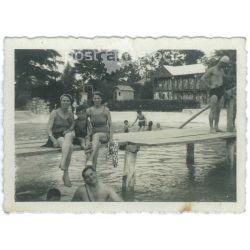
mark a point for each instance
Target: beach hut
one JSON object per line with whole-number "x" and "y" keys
{"x": 123, "y": 93}
{"x": 180, "y": 83}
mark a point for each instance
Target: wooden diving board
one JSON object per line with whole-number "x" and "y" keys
{"x": 147, "y": 138}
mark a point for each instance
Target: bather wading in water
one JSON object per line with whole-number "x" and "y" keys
{"x": 100, "y": 120}
{"x": 61, "y": 134}
{"x": 142, "y": 120}
{"x": 94, "y": 190}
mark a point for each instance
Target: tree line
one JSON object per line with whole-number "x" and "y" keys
{"x": 38, "y": 74}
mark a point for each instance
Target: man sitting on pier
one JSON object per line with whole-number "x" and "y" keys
{"x": 213, "y": 78}
{"x": 94, "y": 190}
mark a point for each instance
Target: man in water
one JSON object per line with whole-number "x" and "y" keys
{"x": 213, "y": 79}
{"x": 94, "y": 190}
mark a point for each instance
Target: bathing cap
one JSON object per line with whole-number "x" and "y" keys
{"x": 225, "y": 59}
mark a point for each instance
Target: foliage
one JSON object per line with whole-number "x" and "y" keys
{"x": 36, "y": 71}
{"x": 37, "y": 74}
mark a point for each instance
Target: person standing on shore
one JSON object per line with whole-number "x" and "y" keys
{"x": 213, "y": 79}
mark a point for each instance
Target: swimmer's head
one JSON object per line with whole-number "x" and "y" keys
{"x": 80, "y": 110}
{"x": 126, "y": 122}
{"x": 97, "y": 97}
{"x": 89, "y": 175}
{"x": 150, "y": 123}
{"x": 139, "y": 111}
{"x": 53, "y": 195}
{"x": 66, "y": 100}
{"x": 158, "y": 125}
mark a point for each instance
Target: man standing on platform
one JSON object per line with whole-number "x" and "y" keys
{"x": 213, "y": 79}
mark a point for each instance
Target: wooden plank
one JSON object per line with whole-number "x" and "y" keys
{"x": 152, "y": 138}
{"x": 39, "y": 151}
{"x": 29, "y": 145}
{"x": 147, "y": 140}
{"x": 41, "y": 141}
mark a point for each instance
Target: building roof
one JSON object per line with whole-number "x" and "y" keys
{"x": 185, "y": 69}
{"x": 124, "y": 88}
{"x": 142, "y": 81}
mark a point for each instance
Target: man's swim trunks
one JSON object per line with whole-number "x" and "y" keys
{"x": 219, "y": 92}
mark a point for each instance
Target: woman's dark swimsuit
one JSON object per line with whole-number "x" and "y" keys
{"x": 219, "y": 92}
{"x": 142, "y": 123}
{"x": 99, "y": 123}
{"x": 59, "y": 126}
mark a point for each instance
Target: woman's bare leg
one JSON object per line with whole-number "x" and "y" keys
{"x": 66, "y": 178}
{"x": 212, "y": 113}
{"x": 67, "y": 149}
{"x": 220, "y": 104}
{"x": 95, "y": 147}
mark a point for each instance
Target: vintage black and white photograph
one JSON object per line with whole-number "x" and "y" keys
{"x": 153, "y": 123}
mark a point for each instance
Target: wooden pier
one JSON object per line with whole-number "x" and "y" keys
{"x": 132, "y": 142}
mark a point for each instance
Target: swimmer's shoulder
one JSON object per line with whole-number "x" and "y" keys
{"x": 53, "y": 113}
{"x": 79, "y": 193}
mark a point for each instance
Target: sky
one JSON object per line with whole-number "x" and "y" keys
{"x": 122, "y": 47}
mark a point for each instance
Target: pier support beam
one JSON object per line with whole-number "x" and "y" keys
{"x": 128, "y": 178}
{"x": 231, "y": 114}
{"x": 190, "y": 153}
{"x": 230, "y": 151}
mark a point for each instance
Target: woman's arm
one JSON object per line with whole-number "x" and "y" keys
{"x": 71, "y": 128}
{"x": 50, "y": 126}
{"x": 110, "y": 125}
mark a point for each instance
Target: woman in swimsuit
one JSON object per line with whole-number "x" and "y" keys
{"x": 100, "y": 119}
{"x": 142, "y": 120}
{"x": 60, "y": 131}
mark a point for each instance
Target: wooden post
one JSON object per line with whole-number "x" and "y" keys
{"x": 128, "y": 179}
{"x": 230, "y": 150}
{"x": 231, "y": 113}
{"x": 190, "y": 153}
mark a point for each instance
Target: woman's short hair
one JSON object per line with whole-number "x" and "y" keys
{"x": 98, "y": 93}
{"x": 67, "y": 95}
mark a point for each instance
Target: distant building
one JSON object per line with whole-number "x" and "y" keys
{"x": 123, "y": 93}
{"x": 142, "y": 81}
{"x": 180, "y": 83}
